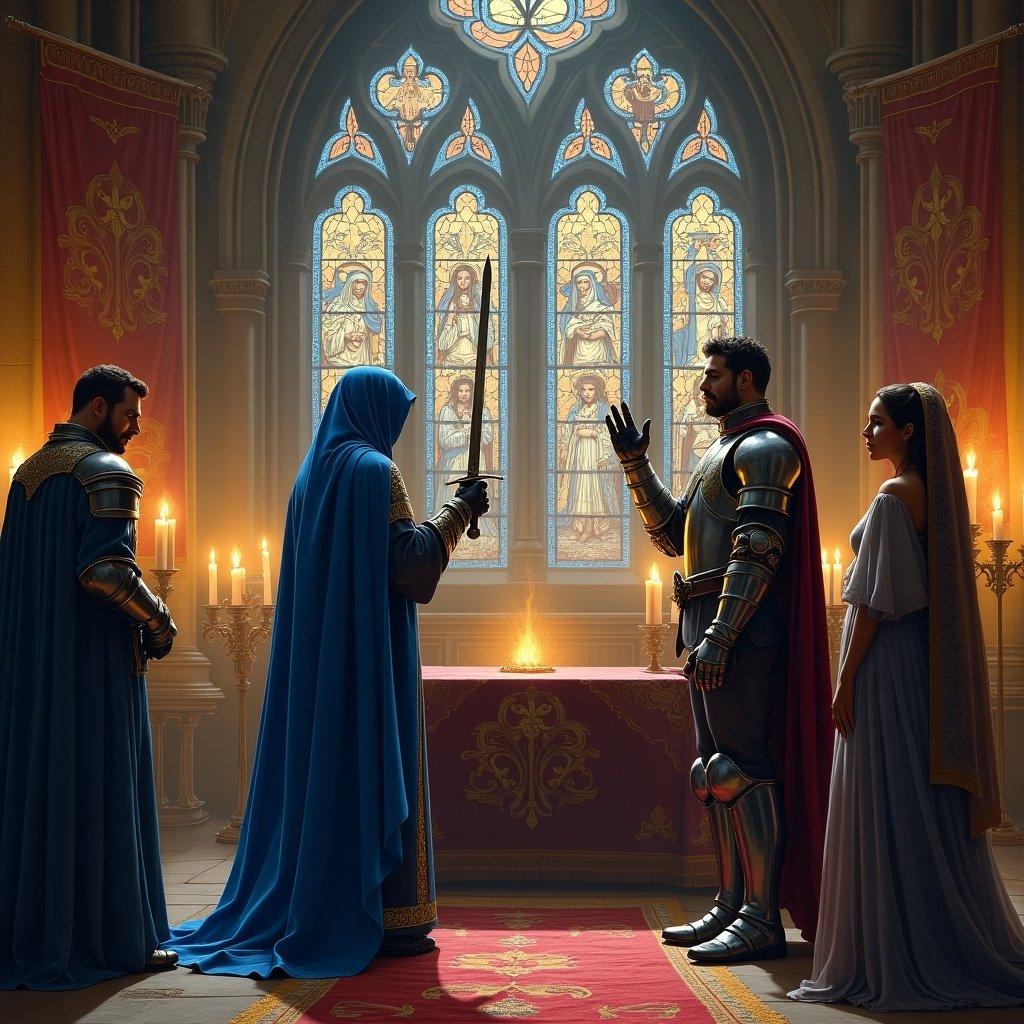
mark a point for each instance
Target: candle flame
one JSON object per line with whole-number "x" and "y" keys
{"x": 165, "y": 511}
{"x": 837, "y": 556}
{"x": 213, "y": 557}
{"x": 655, "y": 576}
{"x": 17, "y": 458}
{"x": 236, "y": 558}
{"x": 972, "y": 458}
{"x": 527, "y": 651}
{"x": 997, "y": 502}
{"x": 824, "y": 557}
{"x": 263, "y": 546}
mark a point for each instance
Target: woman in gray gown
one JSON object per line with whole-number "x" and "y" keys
{"x": 914, "y": 915}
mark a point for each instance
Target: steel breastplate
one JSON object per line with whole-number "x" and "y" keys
{"x": 710, "y": 511}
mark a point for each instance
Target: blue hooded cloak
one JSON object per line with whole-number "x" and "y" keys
{"x": 335, "y": 844}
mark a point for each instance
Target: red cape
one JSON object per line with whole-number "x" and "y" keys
{"x": 803, "y": 731}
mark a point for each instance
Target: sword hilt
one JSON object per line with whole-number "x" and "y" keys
{"x": 474, "y": 524}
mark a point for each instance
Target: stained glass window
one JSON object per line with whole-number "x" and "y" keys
{"x": 645, "y": 96}
{"x": 703, "y": 302}
{"x": 353, "y": 292}
{"x": 459, "y": 240}
{"x": 351, "y": 143}
{"x": 527, "y": 32}
{"x": 588, "y": 370}
{"x": 409, "y": 95}
{"x": 469, "y": 142}
{"x": 705, "y": 144}
{"x": 585, "y": 141}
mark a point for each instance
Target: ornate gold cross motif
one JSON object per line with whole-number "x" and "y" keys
{"x": 934, "y": 130}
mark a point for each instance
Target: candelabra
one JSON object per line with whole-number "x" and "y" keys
{"x": 835, "y": 617}
{"x": 164, "y": 579}
{"x": 652, "y": 640}
{"x": 242, "y": 628}
{"x": 999, "y": 575}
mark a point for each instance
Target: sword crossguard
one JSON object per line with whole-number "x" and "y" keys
{"x": 474, "y": 530}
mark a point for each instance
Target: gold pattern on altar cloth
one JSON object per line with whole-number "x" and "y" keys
{"x": 532, "y": 758}
{"x": 115, "y": 132}
{"x": 115, "y": 260}
{"x": 517, "y": 920}
{"x": 576, "y": 931}
{"x": 657, "y": 823}
{"x": 519, "y": 939}
{"x": 937, "y": 263}
{"x": 652, "y": 1011}
{"x": 357, "y": 1009}
{"x": 932, "y": 131}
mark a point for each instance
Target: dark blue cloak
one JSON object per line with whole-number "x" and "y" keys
{"x": 338, "y": 769}
{"x": 81, "y": 894}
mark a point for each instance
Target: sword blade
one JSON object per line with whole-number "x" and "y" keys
{"x": 477, "y": 421}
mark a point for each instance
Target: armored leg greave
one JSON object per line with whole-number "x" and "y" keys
{"x": 755, "y": 807}
{"x": 730, "y": 871}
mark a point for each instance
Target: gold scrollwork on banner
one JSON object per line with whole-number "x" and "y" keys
{"x": 115, "y": 132}
{"x": 115, "y": 261}
{"x": 970, "y": 423}
{"x": 150, "y": 458}
{"x": 932, "y": 131}
{"x": 532, "y": 759}
{"x": 657, "y": 823}
{"x": 937, "y": 257}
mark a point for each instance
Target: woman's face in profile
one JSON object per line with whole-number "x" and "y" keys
{"x": 882, "y": 438}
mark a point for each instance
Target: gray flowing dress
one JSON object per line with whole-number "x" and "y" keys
{"x": 914, "y": 914}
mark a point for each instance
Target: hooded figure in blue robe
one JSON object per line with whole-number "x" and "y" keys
{"x": 81, "y": 892}
{"x": 335, "y": 864}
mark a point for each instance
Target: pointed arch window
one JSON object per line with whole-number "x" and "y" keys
{"x": 703, "y": 301}
{"x": 588, "y": 370}
{"x": 353, "y": 292}
{"x": 460, "y": 237}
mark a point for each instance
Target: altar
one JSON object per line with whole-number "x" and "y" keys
{"x": 580, "y": 774}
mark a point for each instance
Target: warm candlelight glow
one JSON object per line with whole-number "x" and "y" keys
{"x": 655, "y": 576}
{"x": 527, "y": 654}
{"x": 165, "y": 511}
{"x": 997, "y": 502}
{"x": 837, "y": 557}
{"x": 17, "y": 458}
{"x": 236, "y": 559}
{"x": 972, "y": 458}
{"x": 263, "y": 546}
{"x": 997, "y": 517}
{"x": 213, "y": 557}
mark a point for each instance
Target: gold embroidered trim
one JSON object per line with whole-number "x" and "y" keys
{"x": 98, "y": 70}
{"x": 451, "y": 521}
{"x": 410, "y": 917}
{"x": 51, "y": 460}
{"x": 401, "y": 506}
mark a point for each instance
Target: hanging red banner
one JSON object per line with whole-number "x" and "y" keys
{"x": 943, "y": 260}
{"x": 109, "y": 265}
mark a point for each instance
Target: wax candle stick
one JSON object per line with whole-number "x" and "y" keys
{"x": 160, "y": 540}
{"x": 268, "y": 595}
{"x": 237, "y": 577}
{"x": 171, "y": 527}
{"x": 826, "y": 576}
{"x": 971, "y": 485}
{"x": 652, "y": 591}
{"x": 213, "y": 595}
{"x": 997, "y": 517}
{"x": 837, "y": 574}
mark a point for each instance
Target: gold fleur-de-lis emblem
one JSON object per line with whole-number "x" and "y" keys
{"x": 115, "y": 132}
{"x": 932, "y": 131}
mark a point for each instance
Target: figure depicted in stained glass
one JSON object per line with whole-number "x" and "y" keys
{"x": 588, "y": 324}
{"x": 692, "y": 433}
{"x": 592, "y": 499}
{"x": 352, "y": 330}
{"x": 706, "y": 317}
{"x": 646, "y": 96}
{"x": 409, "y": 95}
{"x": 458, "y": 319}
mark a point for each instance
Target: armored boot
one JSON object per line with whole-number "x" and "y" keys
{"x": 755, "y": 807}
{"x": 730, "y": 871}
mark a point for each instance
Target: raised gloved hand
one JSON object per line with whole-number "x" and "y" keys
{"x": 475, "y": 496}
{"x": 158, "y": 635}
{"x": 705, "y": 667}
{"x": 628, "y": 442}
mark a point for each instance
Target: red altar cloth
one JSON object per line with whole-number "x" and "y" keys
{"x": 581, "y": 774}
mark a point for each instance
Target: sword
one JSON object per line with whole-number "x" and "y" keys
{"x": 476, "y": 423}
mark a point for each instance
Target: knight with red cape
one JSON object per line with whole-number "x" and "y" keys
{"x": 752, "y": 616}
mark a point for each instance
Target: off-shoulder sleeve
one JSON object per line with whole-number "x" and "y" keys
{"x": 890, "y": 573}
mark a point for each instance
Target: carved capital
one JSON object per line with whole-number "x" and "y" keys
{"x": 755, "y": 258}
{"x": 815, "y": 290}
{"x": 527, "y": 247}
{"x": 409, "y": 256}
{"x": 648, "y": 256}
{"x": 294, "y": 257}
{"x": 193, "y": 63}
{"x": 240, "y": 291}
{"x": 855, "y": 65}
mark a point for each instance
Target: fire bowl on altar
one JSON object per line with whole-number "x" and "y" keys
{"x": 527, "y": 668}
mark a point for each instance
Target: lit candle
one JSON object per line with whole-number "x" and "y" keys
{"x": 17, "y": 458}
{"x": 997, "y": 517}
{"x": 837, "y": 574}
{"x": 237, "y": 577}
{"x": 652, "y": 588}
{"x": 826, "y": 575}
{"x": 160, "y": 541}
{"x": 268, "y": 597}
{"x": 971, "y": 485}
{"x": 171, "y": 527}
{"x": 213, "y": 577}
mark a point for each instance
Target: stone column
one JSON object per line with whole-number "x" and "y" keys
{"x": 527, "y": 457}
{"x": 814, "y": 299}
{"x": 759, "y": 321}
{"x": 182, "y": 47}
{"x": 410, "y": 304}
{"x": 873, "y": 45}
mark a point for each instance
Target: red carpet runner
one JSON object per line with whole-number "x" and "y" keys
{"x": 557, "y": 960}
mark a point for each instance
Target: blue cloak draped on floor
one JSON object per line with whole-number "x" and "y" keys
{"x": 81, "y": 893}
{"x": 329, "y": 793}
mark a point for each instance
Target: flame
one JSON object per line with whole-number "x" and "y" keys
{"x": 527, "y": 650}
{"x": 824, "y": 557}
{"x": 263, "y": 546}
{"x": 213, "y": 557}
{"x": 17, "y": 458}
{"x": 236, "y": 558}
{"x": 165, "y": 511}
{"x": 997, "y": 502}
{"x": 837, "y": 556}
{"x": 972, "y": 459}
{"x": 655, "y": 576}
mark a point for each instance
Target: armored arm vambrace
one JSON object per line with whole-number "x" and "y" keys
{"x": 116, "y": 583}
{"x": 450, "y": 522}
{"x": 767, "y": 467}
{"x": 655, "y": 504}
